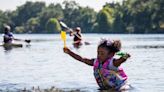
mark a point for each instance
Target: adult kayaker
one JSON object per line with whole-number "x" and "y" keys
{"x": 77, "y": 40}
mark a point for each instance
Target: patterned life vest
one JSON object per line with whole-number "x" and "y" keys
{"x": 107, "y": 78}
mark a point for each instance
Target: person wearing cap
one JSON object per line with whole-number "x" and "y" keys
{"x": 77, "y": 37}
{"x": 8, "y": 38}
{"x": 8, "y": 35}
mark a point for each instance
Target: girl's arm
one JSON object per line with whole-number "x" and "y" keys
{"x": 119, "y": 61}
{"x": 78, "y": 57}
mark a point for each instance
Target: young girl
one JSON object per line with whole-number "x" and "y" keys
{"x": 107, "y": 71}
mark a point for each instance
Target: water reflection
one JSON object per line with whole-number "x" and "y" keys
{"x": 8, "y": 48}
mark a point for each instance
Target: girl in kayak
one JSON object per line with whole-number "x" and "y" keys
{"x": 107, "y": 70}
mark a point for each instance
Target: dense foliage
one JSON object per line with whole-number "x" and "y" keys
{"x": 132, "y": 16}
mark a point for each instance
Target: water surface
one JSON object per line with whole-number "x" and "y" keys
{"x": 44, "y": 64}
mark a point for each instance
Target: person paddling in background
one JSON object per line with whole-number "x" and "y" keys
{"x": 77, "y": 40}
{"x": 8, "y": 36}
{"x": 107, "y": 70}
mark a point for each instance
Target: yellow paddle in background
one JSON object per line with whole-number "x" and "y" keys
{"x": 63, "y": 37}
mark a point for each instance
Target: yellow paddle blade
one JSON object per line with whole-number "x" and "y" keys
{"x": 63, "y": 37}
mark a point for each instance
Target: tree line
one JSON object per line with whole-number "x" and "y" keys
{"x": 130, "y": 16}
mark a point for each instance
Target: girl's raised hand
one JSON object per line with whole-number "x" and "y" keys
{"x": 66, "y": 50}
{"x": 126, "y": 56}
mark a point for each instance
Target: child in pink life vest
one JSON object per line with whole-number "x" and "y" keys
{"x": 107, "y": 70}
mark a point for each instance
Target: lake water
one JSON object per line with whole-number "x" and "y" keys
{"x": 44, "y": 64}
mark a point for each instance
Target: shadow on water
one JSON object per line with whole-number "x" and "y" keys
{"x": 150, "y": 38}
{"x": 149, "y": 46}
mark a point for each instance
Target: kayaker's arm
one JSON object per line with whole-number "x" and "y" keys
{"x": 78, "y": 57}
{"x": 75, "y": 34}
{"x": 122, "y": 59}
{"x": 27, "y": 41}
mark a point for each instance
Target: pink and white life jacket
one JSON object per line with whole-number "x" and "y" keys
{"x": 107, "y": 78}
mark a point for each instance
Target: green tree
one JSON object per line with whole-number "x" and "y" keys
{"x": 71, "y": 12}
{"x": 116, "y": 14}
{"x": 20, "y": 29}
{"x": 145, "y": 16}
{"x": 53, "y": 26}
{"x": 86, "y": 19}
{"x": 27, "y": 11}
{"x": 75, "y": 15}
{"x": 105, "y": 20}
{"x": 32, "y": 25}
{"x": 52, "y": 11}
{"x": 4, "y": 19}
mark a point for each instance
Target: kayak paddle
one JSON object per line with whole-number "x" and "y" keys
{"x": 28, "y": 41}
{"x": 63, "y": 37}
{"x": 68, "y": 29}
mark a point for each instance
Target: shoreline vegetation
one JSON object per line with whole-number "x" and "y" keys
{"x": 127, "y": 17}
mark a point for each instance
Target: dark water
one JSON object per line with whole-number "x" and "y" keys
{"x": 44, "y": 64}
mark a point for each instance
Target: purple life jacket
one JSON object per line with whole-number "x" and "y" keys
{"x": 107, "y": 78}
